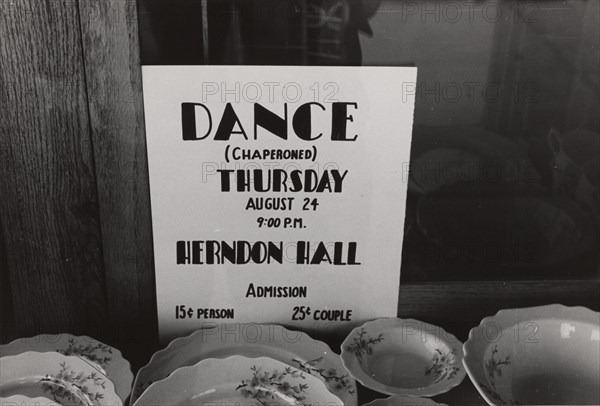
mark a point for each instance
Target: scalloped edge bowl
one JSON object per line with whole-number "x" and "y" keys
{"x": 523, "y": 325}
{"x": 384, "y": 355}
{"x": 272, "y": 340}
{"x": 22, "y": 400}
{"x": 238, "y": 377}
{"x": 78, "y": 382}
{"x": 401, "y": 400}
{"x": 117, "y": 368}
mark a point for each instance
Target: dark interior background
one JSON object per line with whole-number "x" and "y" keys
{"x": 503, "y": 207}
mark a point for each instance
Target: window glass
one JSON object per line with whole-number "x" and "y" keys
{"x": 504, "y": 171}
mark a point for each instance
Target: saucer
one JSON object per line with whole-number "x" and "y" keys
{"x": 403, "y": 357}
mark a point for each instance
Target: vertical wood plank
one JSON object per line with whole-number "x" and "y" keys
{"x": 7, "y": 317}
{"x": 111, "y": 53}
{"x": 48, "y": 203}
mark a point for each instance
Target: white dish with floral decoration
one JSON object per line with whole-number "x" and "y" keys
{"x": 21, "y": 400}
{"x": 403, "y": 357}
{"x": 293, "y": 348}
{"x": 546, "y": 355}
{"x": 240, "y": 381}
{"x": 401, "y": 400}
{"x": 105, "y": 358}
{"x": 67, "y": 380}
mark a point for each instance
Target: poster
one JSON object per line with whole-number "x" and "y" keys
{"x": 278, "y": 193}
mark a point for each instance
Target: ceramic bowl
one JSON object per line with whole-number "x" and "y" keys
{"x": 67, "y": 380}
{"x": 536, "y": 356}
{"x": 104, "y": 358}
{"x": 293, "y": 348}
{"x": 400, "y": 400}
{"x": 238, "y": 381}
{"x": 403, "y": 357}
{"x": 21, "y": 400}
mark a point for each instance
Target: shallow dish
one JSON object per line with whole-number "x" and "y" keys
{"x": 403, "y": 357}
{"x": 538, "y": 355}
{"x": 20, "y": 400}
{"x": 293, "y": 348}
{"x": 400, "y": 400}
{"x": 105, "y": 358}
{"x": 239, "y": 381}
{"x": 67, "y": 380}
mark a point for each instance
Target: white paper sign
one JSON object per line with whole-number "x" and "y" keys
{"x": 278, "y": 193}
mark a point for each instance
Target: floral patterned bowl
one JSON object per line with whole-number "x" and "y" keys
{"x": 20, "y": 400}
{"x": 106, "y": 359}
{"x": 239, "y": 381}
{"x": 400, "y": 400}
{"x": 545, "y": 355}
{"x": 293, "y": 348}
{"x": 67, "y": 380}
{"x": 403, "y": 357}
